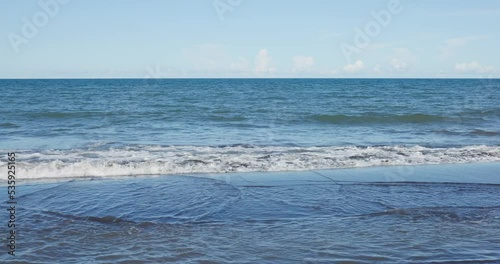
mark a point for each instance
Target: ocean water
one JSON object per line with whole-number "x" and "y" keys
{"x": 253, "y": 170}
{"x": 76, "y": 128}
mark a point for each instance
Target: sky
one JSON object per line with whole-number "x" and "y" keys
{"x": 249, "y": 39}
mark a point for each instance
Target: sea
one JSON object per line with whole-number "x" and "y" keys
{"x": 252, "y": 170}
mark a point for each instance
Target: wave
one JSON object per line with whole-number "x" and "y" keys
{"x": 481, "y": 132}
{"x": 9, "y": 125}
{"x": 474, "y": 132}
{"x": 373, "y": 118}
{"x": 161, "y": 160}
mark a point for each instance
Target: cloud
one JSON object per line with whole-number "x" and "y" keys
{"x": 473, "y": 67}
{"x": 303, "y": 64}
{"x": 452, "y": 45}
{"x": 263, "y": 62}
{"x": 214, "y": 59}
{"x": 355, "y": 67}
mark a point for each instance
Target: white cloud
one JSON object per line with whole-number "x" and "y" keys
{"x": 214, "y": 59}
{"x": 355, "y": 67}
{"x": 263, "y": 62}
{"x": 303, "y": 64}
{"x": 452, "y": 45}
{"x": 473, "y": 67}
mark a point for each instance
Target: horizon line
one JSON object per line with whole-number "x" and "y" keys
{"x": 249, "y": 78}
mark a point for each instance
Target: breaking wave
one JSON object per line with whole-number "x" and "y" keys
{"x": 159, "y": 160}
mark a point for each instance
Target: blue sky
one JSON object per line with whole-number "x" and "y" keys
{"x": 249, "y": 38}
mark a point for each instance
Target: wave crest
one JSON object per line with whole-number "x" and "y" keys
{"x": 159, "y": 160}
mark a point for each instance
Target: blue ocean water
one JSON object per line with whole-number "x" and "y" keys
{"x": 73, "y": 128}
{"x": 151, "y": 171}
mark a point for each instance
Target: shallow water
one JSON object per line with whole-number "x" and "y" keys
{"x": 388, "y": 215}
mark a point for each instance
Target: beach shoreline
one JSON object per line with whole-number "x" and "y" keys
{"x": 485, "y": 173}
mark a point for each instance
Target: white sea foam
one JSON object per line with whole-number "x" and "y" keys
{"x": 156, "y": 160}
